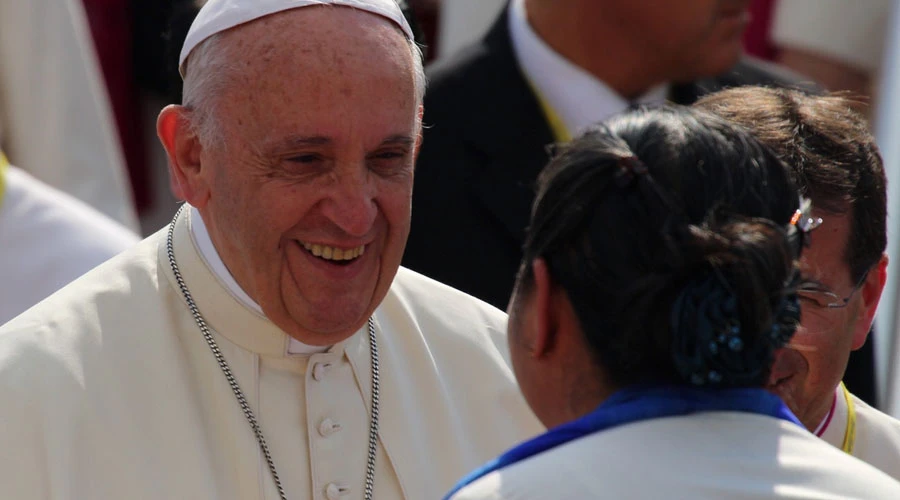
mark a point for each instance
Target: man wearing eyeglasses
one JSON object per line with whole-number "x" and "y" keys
{"x": 836, "y": 163}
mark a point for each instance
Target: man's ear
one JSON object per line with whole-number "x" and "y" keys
{"x": 420, "y": 113}
{"x": 870, "y": 294}
{"x": 183, "y": 150}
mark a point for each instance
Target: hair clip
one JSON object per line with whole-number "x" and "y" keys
{"x": 629, "y": 168}
{"x": 802, "y": 223}
{"x": 803, "y": 218}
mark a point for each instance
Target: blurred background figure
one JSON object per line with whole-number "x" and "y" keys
{"x": 133, "y": 40}
{"x": 55, "y": 118}
{"x": 836, "y": 43}
{"x": 461, "y": 22}
{"x": 69, "y": 207}
{"x": 47, "y": 239}
{"x": 887, "y": 129}
{"x": 839, "y": 44}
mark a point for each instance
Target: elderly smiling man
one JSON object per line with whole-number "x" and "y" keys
{"x": 267, "y": 344}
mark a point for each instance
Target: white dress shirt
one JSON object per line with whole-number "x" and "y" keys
{"x": 578, "y": 98}
{"x": 706, "y": 455}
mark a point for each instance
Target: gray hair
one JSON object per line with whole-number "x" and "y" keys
{"x": 206, "y": 73}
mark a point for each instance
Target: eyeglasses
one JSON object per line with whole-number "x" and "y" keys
{"x": 813, "y": 295}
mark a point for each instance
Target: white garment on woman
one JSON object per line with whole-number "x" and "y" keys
{"x": 715, "y": 455}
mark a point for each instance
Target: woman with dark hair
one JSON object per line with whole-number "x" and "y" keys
{"x": 658, "y": 279}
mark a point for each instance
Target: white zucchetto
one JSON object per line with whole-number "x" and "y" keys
{"x": 220, "y": 15}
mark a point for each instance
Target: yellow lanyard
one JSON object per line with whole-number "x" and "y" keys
{"x": 850, "y": 431}
{"x": 557, "y": 127}
{"x": 3, "y": 164}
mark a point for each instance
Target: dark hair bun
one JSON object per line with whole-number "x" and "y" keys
{"x": 662, "y": 204}
{"x": 738, "y": 308}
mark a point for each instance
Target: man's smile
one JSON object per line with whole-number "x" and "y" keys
{"x": 335, "y": 254}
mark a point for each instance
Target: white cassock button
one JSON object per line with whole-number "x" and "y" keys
{"x": 319, "y": 370}
{"x": 328, "y": 427}
{"x": 335, "y": 492}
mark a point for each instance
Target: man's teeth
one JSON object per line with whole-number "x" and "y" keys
{"x": 334, "y": 253}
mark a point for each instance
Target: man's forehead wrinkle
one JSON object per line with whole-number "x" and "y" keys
{"x": 273, "y": 143}
{"x": 261, "y": 38}
{"x": 298, "y": 58}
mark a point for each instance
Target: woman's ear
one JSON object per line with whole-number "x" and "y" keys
{"x": 549, "y": 309}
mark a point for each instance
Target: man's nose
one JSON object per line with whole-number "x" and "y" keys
{"x": 352, "y": 205}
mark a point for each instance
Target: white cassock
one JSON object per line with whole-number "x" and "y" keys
{"x": 112, "y": 392}
{"x": 715, "y": 455}
{"x": 47, "y": 239}
{"x": 869, "y": 435}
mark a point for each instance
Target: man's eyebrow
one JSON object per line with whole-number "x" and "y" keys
{"x": 398, "y": 140}
{"x": 810, "y": 280}
{"x": 298, "y": 141}
{"x": 318, "y": 140}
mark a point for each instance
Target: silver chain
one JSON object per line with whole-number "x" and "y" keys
{"x": 239, "y": 394}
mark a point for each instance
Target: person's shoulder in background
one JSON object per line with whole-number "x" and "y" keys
{"x": 49, "y": 238}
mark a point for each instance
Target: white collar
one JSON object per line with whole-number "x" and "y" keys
{"x": 211, "y": 256}
{"x": 577, "y": 97}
